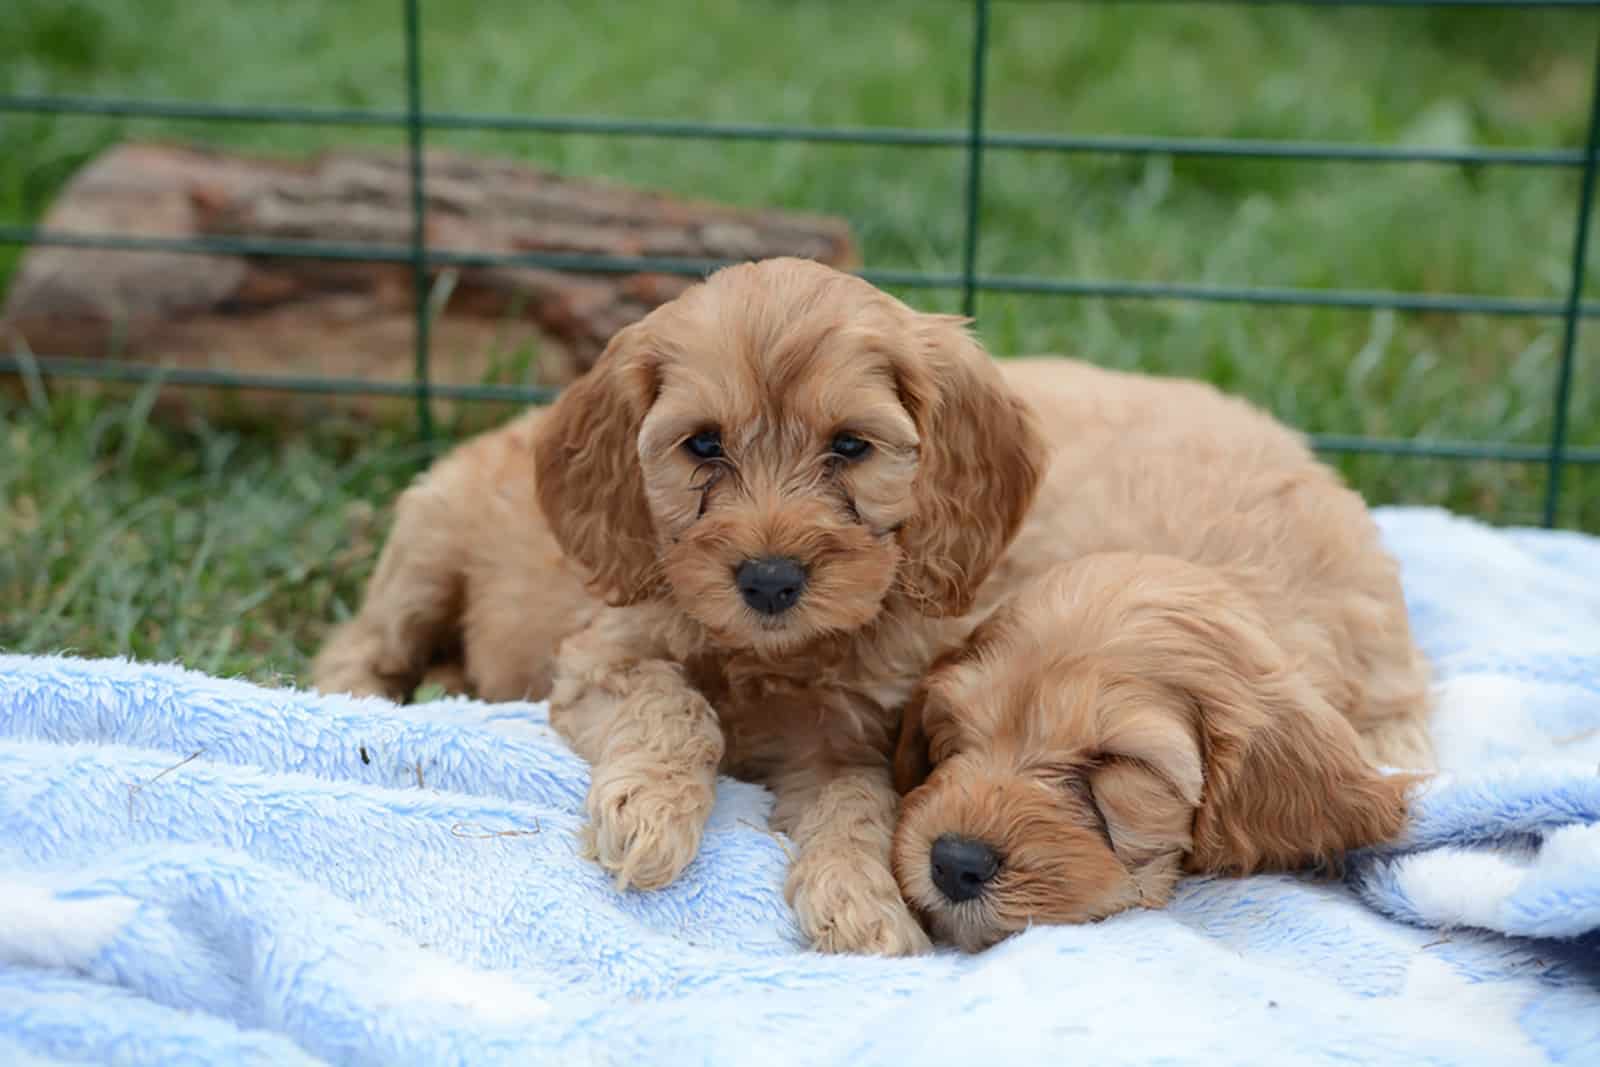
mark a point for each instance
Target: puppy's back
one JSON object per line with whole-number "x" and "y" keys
{"x": 1147, "y": 464}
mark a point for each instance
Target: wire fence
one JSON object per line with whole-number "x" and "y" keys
{"x": 1555, "y": 454}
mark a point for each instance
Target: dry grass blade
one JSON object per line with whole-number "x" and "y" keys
{"x": 135, "y": 788}
{"x": 474, "y": 832}
{"x": 769, "y": 832}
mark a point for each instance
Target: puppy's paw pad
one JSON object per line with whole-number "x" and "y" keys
{"x": 645, "y": 832}
{"x": 856, "y": 909}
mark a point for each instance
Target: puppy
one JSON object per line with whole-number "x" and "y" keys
{"x": 1204, "y": 687}
{"x": 749, "y": 529}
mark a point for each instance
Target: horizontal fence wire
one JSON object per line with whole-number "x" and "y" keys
{"x": 876, "y": 136}
{"x": 122, "y": 371}
{"x": 974, "y": 140}
{"x": 1355, "y": 299}
{"x": 207, "y": 378}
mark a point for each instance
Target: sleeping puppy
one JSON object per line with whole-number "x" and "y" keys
{"x": 1204, "y": 687}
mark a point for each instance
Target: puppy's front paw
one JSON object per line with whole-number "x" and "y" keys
{"x": 852, "y": 904}
{"x": 645, "y": 824}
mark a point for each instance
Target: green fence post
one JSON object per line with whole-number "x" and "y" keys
{"x": 1556, "y": 464}
{"x": 419, "y": 217}
{"x": 980, "y": 64}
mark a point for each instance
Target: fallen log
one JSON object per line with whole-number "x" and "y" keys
{"x": 336, "y": 318}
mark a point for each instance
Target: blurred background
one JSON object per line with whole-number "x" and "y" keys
{"x": 229, "y": 537}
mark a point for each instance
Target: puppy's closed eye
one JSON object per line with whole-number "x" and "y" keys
{"x": 1074, "y": 783}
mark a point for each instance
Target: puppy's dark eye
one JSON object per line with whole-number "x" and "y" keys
{"x": 707, "y": 444}
{"x": 849, "y": 447}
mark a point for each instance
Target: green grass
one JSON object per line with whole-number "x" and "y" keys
{"x": 233, "y": 550}
{"x": 202, "y": 545}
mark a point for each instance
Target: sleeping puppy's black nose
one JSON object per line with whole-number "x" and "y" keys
{"x": 771, "y": 586}
{"x": 961, "y": 867}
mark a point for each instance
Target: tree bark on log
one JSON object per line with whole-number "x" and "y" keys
{"x": 347, "y": 319}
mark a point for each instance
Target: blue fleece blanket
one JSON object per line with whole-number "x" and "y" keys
{"x": 203, "y": 871}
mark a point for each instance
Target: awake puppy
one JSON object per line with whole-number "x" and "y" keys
{"x": 1204, "y": 688}
{"x": 755, "y": 523}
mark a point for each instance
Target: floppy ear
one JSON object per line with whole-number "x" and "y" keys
{"x": 913, "y": 753}
{"x": 1275, "y": 771}
{"x": 586, "y": 457}
{"x": 981, "y": 460}
{"x": 912, "y": 762}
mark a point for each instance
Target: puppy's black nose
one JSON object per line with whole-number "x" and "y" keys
{"x": 961, "y": 867}
{"x": 771, "y": 586}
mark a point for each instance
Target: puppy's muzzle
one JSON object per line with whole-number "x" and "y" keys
{"x": 961, "y": 867}
{"x": 770, "y": 586}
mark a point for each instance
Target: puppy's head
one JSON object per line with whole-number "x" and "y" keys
{"x": 781, "y": 449}
{"x": 1129, "y": 718}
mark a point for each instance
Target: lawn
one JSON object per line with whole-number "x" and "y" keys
{"x": 232, "y": 550}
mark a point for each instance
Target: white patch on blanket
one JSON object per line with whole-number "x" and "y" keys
{"x": 1571, "y": 847}
{"x": 39, "y": 929}
{"x": 1440, "y": 998}
{"x": 488, "y": 997}
{"x": 1462, "y": 887}
{"x": 1539, "y": 602}
{"x": 1476, "y": 715}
